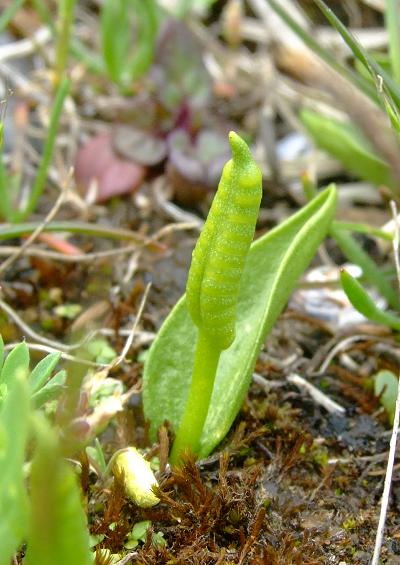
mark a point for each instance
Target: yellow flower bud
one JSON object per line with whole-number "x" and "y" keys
{"x": 132, "y": 469}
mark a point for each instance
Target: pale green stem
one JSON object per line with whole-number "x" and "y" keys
{"x": 65, "y": 21}
{"x": 392, "y": 17}
{"x": 196, "y": 408}
{"x": 41, "y": 176}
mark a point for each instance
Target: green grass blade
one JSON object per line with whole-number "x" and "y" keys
{"x": 6, "y": 211}
{"x": 359, "y": 81}
{"x": 362, "y": 302}
{"x": 40, "y": 180}
{"x": 344, "y": 142}
{"x": 385, "y": 386}
{"x": 363, "y": 228}
{"x": 65, "y": 21}
{"x": 371, "y": 271}
{"x": 10, "y": 231}
{"x": 361, "y": 54}
{"x": 124, "y": 61}
{"x": 9, "y": 13}
{"x": 392, "y": 18}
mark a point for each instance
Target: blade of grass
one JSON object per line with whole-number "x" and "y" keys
{"x": 5, "y": 201}
{"x": 92, "y": 61}
{"x": 9, "y": 13}
{"x": 360, "y": 82}
{"x": 363, "y": 228}
{"x": 65, "y": 21}
{"x": 392, "y": 19}
{"x": 366, "y": 305}
{"x": 371, "y": 272}
{"x": 361, "y": 54}
{"x": 39, "y": 183}
{"x": 10, "y": 231}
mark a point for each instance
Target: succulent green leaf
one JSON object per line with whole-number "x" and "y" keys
{"x": 51, "y": 390}
{"x": 42, "y": 371}
{"x": 57, "y": 530}
{"x": 362, "y": 302}
{"x": 14, "y": 420}
{"x": 273, "y": 266}
{"x": 348, "y": 145}
{"x": 17, "y": 362}
{"x": 385, "y": 385}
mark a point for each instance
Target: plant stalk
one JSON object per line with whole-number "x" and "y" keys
{"x": 41, "y": 176}
{"x": 196, "y": 408}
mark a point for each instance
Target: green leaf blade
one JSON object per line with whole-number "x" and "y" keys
{"x": 58, "y": 531}
{"x": 51, "y": 390}
{"x": 385, "y": 386}
{"x": 42, "y": 371}
{"x": 361, "y": 54}
{"x": 344, "y": 142}
{"x": 17, "y": 362}
{"x": 362, "y": 302}
{"x": 274, "y": 264}
{"x": 14, "y": 429}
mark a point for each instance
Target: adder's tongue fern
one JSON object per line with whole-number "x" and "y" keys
{"x": 214, "y": 281}
{"x": 218, "y": 258}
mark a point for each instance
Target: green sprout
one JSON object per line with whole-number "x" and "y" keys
{"x": 214, "y": 282}
{"x": 199, "y": 367}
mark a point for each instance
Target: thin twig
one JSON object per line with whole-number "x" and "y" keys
{"x": 393, "y": 439}
{"x": 35, "y": 251}
{"x": 128, "y": 344}
{"x": 65, "y": 356}
{"x": 341, "y": 346}
{"x": 316, "y": 394}
{"x": 24, "y": 47}
{"x": 27, "y": 330}
{"x": 127, "y": 558}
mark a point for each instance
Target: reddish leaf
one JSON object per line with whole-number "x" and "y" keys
{"x": 97, "y": 162}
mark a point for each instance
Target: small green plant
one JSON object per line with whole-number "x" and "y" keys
{"x": 214, "y": 282}
{"x": 367, "y": 144}
{"x": 234, "y": 295}
{"x": 385, "y": 382}
{"x": 123, "y": 62}
{"x": 9, "y": 184}
{"x": 385, "y": 387}
{"x": 47, "y": 516}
